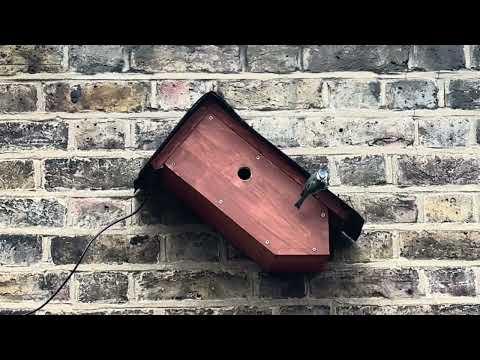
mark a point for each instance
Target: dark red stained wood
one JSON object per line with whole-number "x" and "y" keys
{"x": 212, "y": 214}
{"x": 209, "y": 160}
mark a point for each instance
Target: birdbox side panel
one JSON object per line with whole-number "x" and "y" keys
{"x": 261, "y": 202}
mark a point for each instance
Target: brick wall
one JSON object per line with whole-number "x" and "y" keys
{"x": 398, "y": 127}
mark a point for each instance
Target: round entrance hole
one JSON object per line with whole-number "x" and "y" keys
{"x": 244, "y": 173}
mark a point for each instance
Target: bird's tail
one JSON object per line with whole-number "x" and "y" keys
{"x": 300, "y": 201}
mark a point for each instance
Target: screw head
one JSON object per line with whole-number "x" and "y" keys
{"x": 257, "y": 157}
{"x": 314, "y": 249}
{"x": 172, "y": 163}
{"x": 322, "y": 214}
{"x": 267, "y": 242}
{"x": 210, "y": 117}
{"x": 220, "y": 201}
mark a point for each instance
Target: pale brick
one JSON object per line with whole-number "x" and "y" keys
{"x": 94, "y": 134}
{"x": 448, "y": 208}
{"x": 443, "y": 133}
{"x": 17, "y": 98}
{"x": 347, "y": 94}
{"x": 181, "y": 94}
{"x": 411, "y": 94}
{"x": 16, "y": 174}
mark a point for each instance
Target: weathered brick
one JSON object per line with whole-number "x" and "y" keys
{"x": 202, "y": 246}
{"x": 365, "y": 282}
{"x": 191, "y": 311}
{"x": 234, "y": 253}
{"x": 435, "y": 170}
{"x": 443, "y": 133}
{"x": 301, "y": 131}
{"x": 463, "y": 94}
{"x": 411, "y": 94}
{"x": 149, "y": 134}
{"x": 181, "y": 94}
{"x": 281, "y": 94}
{"x": 91, "y": 59}
{"x": 436, "y": 244}
{"x": 164, "y": 208}
{"x": 448, "y": 208}
{"x": 14, "y": 311}
{"x": 33, "y": 135}
{"x": 30, "y": 59}
{"x": 177, "y": 58}
{"x": 95, "y": 213}
{"x": 371, "y": 245}
{"x": 31, "y": 212}
{"x": 107, "y": 249}
{"x": 90, "y": 134}
{"x": 101, "y": 312}
{"x": 399, "y": 208}
{"x": 16, "y": 174}
{"x": 33, "y": 286}
{"x": 354, "y": 309}
{"x": 451, "y": 281}
{"x": 182, "y": 284}
{"x": 304, "y": 310}
{"x": 20, "y": 249}
{"x": 347, "y": 94}
{"x": 121, "y": 96}
{"x": 362, "y": 170}
{"x": 106, "y": 287}
{"x": 273, "y": 58}
{"x": 16, "y": 98}
{"x": 281, "y": 285}
{"x": 311, "y": 163}
{"x": 80, "y": 173}
{"x": 229, "y": 310}
{"x": 477, "y": 131}
{"x": 376, "y": 58}
{"x": 456, "y": 309}
{"x": 437, "y": 57}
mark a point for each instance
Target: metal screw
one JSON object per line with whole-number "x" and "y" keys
{"x": 314, "y": 249}
{"x": 267, "y": 242}
{"x": 210, "y": 117}
{"x": 322, "y": 214}
{"x": 257, "y": 157}
{"x": 172, "y": 163}
{"x": 220, "y": 201}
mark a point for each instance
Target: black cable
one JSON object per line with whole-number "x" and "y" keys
{"x": 83, "y": 255}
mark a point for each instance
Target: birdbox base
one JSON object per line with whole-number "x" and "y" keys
{"x": 238, "y": 182}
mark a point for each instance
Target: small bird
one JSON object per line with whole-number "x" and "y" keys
{"x": 315, "y": 183}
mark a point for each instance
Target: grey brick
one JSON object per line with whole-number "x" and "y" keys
{"x": 411, "y": 94}
{"x": 16, "y": 174}
{"x": 30, "y": 59}
{"x": 80, "y": 173}
{"x": 376, "y": 58}
{"x": 311, "y": 163}
{"x": 347, "y": 94}
{"x": 277, "y": 94}
{"x": 181, "y": 284}
{"x": 362, "y": 170}
{"x": 386, "y": 208}
{"x": 245, "y": 310}
{"x": 436, "y": 244}
{"x": 20, "y": 249}
{"x": 475, "y": 57}
{"x": 456, "y": 309}
{"x": 463, "y": 94}
{"x": 16, "y": 98}
{"x": 281, "y": 285}
{"x": 192, "y": 246}
{"x": 91, "y": 134}
{"x": 304, "y": 310}
{"x": 106, "y": 96}
{"x": 273, "y": 58}
{"x": 435, "y": 170}
{"x": 179, "y": 58}
{"x": 107, "y": 249}
{"x": 33, "y": 135}
{"x": 452, "y": 281}
{"x": 437, "y": 57}
{"x": 448, "y": 208}
{"x": 91, "y": 59}
{"x": 443, "y": 133}
{"x": 31, "y": 212}
{"x": 365, "y": 282}
{"x": 150, "y": 134}
{"x": 33, "y": 286}
{"x": 95, "y": 213}
{"x": 370, "y": 246}
{"x": 181, "y": 94}
{"x": 354, "y": 309}
{"x": 106, "y": 287}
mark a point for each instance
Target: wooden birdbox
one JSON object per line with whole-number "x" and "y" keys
{"x": 243, "y": 186}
